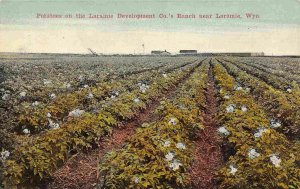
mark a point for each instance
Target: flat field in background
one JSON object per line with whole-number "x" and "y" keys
{"x": 80, "y": 121}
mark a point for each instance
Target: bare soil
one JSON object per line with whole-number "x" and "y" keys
{"x": 208, "y": 155}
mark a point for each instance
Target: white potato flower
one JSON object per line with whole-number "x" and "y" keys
{"x": 180, "y": 146}
{"x": 23, "y": 94}
{"x": 227, "y": 97}
{"x": 136, "y": 100}
{"x": 230, "y": 108}
{"x": 53, "y": 125}
{"x": 76, "y": 113}
{"x": 253, "y": 154}
{"x": 67, "y": 85}
{"x": 35, "y": 103}
{"x": 167, "y": 143}
{"x": 47, "y": 82}
{"x": 275, "y": 160}
{"x": 90, "y": 95}
{"x": 80, "y": 78}
{"x": 172, "y": 121}
{"x": 52, "y": 96}
{"x": 169, "y": 156}
{"x": 260, "y": 132}
{"x": 175, "y": 165}
{"x": 233, "y": 169}
{"x": 244, "y": 108}
{"x": 274, "y": 124}
{"x": 26, "y": 131}
{"x": 136, "y": 179}
{"x": 4, "y": 155}
{"x": 238, "y": 87}
{"x": 223, "y": 131}
{"x": 143, "y": 88}
{"x": 182, "y": 107}
{"x": 5, "y": 96}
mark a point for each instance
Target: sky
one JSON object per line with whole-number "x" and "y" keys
{"x": 276, "y": 31}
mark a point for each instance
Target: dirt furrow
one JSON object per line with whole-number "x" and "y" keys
{"x": 208, "y": 155}
{"x": 81, "y": 171}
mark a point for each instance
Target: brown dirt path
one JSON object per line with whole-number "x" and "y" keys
{"x": 208, "y": 155}
{"x": 81, "y": 171}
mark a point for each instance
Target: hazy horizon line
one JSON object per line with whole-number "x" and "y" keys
{"x": 142, "y": 54}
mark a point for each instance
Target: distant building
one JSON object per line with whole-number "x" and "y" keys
{"x": 246, "y": 54}
{"x": 188, "y": 51}
{"x": 258, "y": 54}
{"x": 242, "y": 54}
{"x": 161, "y": 53}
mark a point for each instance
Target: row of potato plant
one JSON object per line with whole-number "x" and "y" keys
{"x": 283, "y": 107}
{"x": 287, "y": 65}
{"x": 287, "y": 75}
{"x": 263, "y": 157}
{"x": 14, "y": 91}
{"x": 17, "y": 102}
{"x": 35, "y": 114}
{"x": 39, "y": 77}
{"x": 158, "y": 154}
{"x": 19, "y": 94}
{"x": 29, "y": 120}
{"x": 277, "y": 82}
{"x": 38, "y": 157}
{"x": 36, "y": 118}
{"x": 52, "y": 115}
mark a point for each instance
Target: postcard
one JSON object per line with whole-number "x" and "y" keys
{"x": 196, "y": 94}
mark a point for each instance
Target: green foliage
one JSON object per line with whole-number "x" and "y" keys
{"x": 143, "y": 162}
{"x": 39, "y": 156}
{"x": 282, "y": 105}
{"x": 258, "y": 172}
{"x": 144, "y": 158}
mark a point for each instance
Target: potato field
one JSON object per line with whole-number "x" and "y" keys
{"x": 116, "y": 122}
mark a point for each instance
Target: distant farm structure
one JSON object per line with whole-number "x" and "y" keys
{"x": 183, "y": 53}
{"x": 238, "y": 54}
{"x": 188, "y": 52}
{"x": 243, "y": 54}
{"x": 93, "y": 52}
{"x": 258, "y": 54}
{"x": 160, "y": 53}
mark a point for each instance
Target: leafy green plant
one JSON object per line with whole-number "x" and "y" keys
{"x": 264, "y": 158}
{"x": 282, "y": 106}
{"x": 157, "y": 155}
{"x": 39, "y": 157}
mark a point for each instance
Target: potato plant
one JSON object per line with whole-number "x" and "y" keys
{"x": 264, "y": 158}
{"x": 277, "y": 82}
{"x": 157, "y": 156}
{"x": 277, "y": 66}
{"x": 38, "y": 157}
{"x": 279, "y": 104}
{"x": 149, "y": 122}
